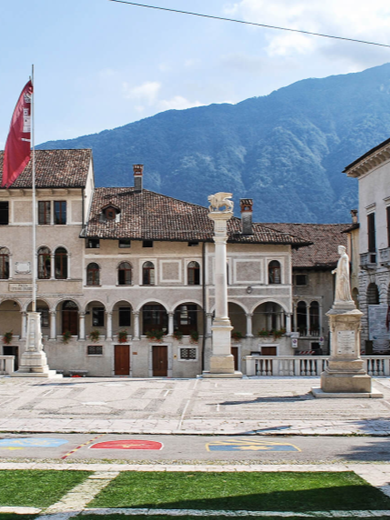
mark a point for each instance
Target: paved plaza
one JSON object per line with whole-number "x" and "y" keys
{"x": 262, "y": 406}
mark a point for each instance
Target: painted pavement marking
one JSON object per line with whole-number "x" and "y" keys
{"x": 249, "y": 445}
{"x": 77, "y": 498}
{"x": 128, "y": 444}
{"x": 31, "y": 442}
{"x": 82, "y": 445}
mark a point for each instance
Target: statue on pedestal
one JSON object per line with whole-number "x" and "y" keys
{"x": 343, "y": 298}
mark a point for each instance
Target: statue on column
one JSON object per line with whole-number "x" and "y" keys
{"x": 343, "y": 289}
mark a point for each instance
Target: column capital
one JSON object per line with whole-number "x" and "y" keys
{"x": 249, "y": 314}
{"x": 136, "y": 313}
{"x": 82, "y": 314}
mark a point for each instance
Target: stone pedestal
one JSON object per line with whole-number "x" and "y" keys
{"x": 222, "y": 360}
{"x": 345, "y": 375}
{"x": 33, "y": 361}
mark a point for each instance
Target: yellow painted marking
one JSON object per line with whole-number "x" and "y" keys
{"x": 251, "y": 445}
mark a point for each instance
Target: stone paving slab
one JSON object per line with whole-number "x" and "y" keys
{"x": 261, "y": 406}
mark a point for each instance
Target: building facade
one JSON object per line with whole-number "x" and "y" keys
{"x": 125, "y": 276}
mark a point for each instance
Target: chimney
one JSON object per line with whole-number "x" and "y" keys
{"x": 354, "y": 215}
{"x": 246, "y": 216}
{"x": 138, "y": 170}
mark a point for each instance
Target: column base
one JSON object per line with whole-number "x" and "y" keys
{"x": 235, "y": 375}
{"x": 317, "y": 392}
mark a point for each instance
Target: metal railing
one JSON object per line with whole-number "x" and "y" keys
{"x": 301, "y": 366}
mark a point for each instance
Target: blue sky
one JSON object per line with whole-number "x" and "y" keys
{"x": 100, "y": 64}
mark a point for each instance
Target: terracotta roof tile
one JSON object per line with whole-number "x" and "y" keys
{"x": 147, "y": 215}
{"x": 54, "y": 169}
{"x": 325, "y": 238}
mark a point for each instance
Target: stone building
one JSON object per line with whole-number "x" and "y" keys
{"x": 373, "y": 173}
{"x": 313, "y": 281}
{"x": 125, "y": 275}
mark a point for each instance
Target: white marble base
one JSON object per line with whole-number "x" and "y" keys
{"x": 50, "y": 374}
{"x": 236, "y": 374}
{"x": 317, "y": 392}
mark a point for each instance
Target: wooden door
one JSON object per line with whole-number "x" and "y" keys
{"x": 268, "y": 351}
{"x": 235, "y": 355}
{"x": 122, "y": 360}
{"x": 70, "y": 321}
{"x": 160, "y": 360}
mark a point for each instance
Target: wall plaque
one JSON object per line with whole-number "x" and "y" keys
{"x": 22, "y": 267}
{"x": 346, "y": 342}
{"x": 20, "y": 287}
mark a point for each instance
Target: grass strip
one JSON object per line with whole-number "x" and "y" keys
{"x": 36, "y": 488}
{"x": 164, "y": 517}
{"x": 262, "y": 491}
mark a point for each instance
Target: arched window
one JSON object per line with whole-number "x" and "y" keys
{"x": 274, "y": 272}
{"x": 4, "y": 263}
{"x": 44, "y": 263}
{"x": 154, "y": 317}
{"x": 193, "y": 270}
{"x": 93, "y": 274}
{"x": 372, "y": 294}
{"x": 124, "y": 273}
{"x": 70, "y": 317}
{"x": 61, "y": 263}
{"x": 314, "y": 319}
{"x": 148, "y": 273}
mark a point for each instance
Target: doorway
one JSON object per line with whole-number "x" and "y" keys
{"x": 160, "y": 360}
{"x": 12, "y": 351}
{"x": 234, "y": 351}
{"x": 122, "y": 360}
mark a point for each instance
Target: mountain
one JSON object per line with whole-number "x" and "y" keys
{"x": 286, "y": 150}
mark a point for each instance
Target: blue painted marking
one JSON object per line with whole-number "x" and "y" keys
{"x": 31, "y": 442}
{"x": 249, "y": 445}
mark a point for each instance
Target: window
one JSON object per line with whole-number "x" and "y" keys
{"x": 61, "y": 263}
{"x": 371, "y": 232}
{"x": 98, "y": 316}
{"x": 95, "y": 350}
{"x": 44, "y": 316}
{"x": 301, "y": 279}
{"x": 186, "y": 318}
{"x": 147, "y": 243}
{"x": 187, "y": 354}
{"x": 3, "y": 213}
{"x": 44, "y": 263}
{"x": 59, "y": 212}
{"x": 148, "y": 273}
{"x": 4, "y": 263}
{"x": 154, "y": 317}
{"x": 193, "y": 270}
{"x": 274, "y": 272}
{"x": 124, "y": 316}
{"x": 44, "y": 212}
{"x": 92, "y": 243}
{"x": 314, "y": 319}
{"x": 124, "y": 242}
{"x": 93, "y": 274}
{"x": 110, "y": 213}
{"x": 302, "y": 318}
{"x": 193, "y": 243}
{"x": 388, "y": 225}
{"x": 124, "y": 274}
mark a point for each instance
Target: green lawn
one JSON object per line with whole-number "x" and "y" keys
{"x": 284, "y": 491}
{"x": 164, "y": 517}
{"x": 36, "y": 488}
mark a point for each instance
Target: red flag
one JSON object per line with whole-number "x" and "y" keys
{"x": 18, "y": 148}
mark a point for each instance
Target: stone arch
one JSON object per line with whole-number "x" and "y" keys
{"x": 372, "y": 294}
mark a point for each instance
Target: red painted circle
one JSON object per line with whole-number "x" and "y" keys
{"x": 128, "y": 444}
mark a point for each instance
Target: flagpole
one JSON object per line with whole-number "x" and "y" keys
{"x": 34, "y": 216}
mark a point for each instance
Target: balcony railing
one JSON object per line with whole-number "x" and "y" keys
{"x": 368, "y": 260}
{"x": 384, "y": 256}
{"x": 307, "y": 365}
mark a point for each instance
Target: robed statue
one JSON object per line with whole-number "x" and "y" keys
{"x": 343, "y": 288}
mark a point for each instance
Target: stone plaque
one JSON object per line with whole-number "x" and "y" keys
{"x": 346, "y": 342}
{"x": 22, "y": 267}
{"x": 20, "y": 287}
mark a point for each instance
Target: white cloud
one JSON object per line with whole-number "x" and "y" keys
{"x": 145, "y": 93}
{"x": 177, "y": 103}
{"x": 347, "y": 18}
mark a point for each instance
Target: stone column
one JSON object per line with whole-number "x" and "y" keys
{"x": 209, "y": 318}
{"x": 52, "y": 266}
{"x": 53, "y": 324}
{"x": 82, "y": 325}
{"x": 221, "y": 361}
{"x": 249, "y": 333}
{"x": 288, "y": 323}
{"x": 109, "y": 326}
{"x": 308, "y": 331}
{"x": 33, "y": 362}
{"x": 136, "y": 324}
{"x": 24, "y": 323}
{"x": 170, "y": 324}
